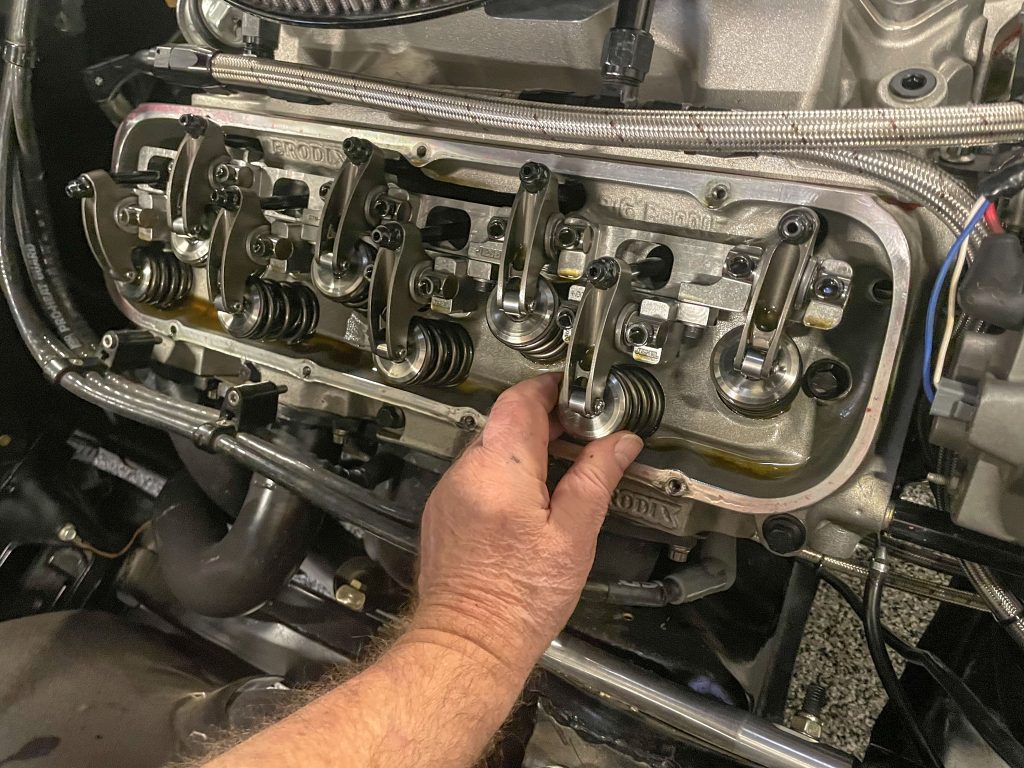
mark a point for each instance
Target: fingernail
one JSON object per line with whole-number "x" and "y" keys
{"x": 627, "y": 449}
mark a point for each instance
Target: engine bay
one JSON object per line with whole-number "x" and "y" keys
{"x": 334, "y": 234}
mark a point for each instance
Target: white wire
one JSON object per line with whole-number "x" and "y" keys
{"x": 954, "y": 281}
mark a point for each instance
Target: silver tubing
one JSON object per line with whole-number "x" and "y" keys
{"x": 689, "y": 130}
{"x": 1005, "y": 607}
{"x": 724, "y": 729}
{"x": 897, "y": 581}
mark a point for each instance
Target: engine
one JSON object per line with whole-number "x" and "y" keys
{"x": 336, "y": 232}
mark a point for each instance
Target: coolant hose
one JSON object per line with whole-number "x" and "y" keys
{"x": 681, "y": 130}
{"x": 1005, "y": 606}
{"x": 229, "y": 574}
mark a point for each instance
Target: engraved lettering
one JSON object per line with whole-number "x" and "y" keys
{"x": 306, "y": 152}
{"x": 646, "y": 509}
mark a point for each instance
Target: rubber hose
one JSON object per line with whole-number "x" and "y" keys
{"x": 218, "y": 573}
{"x": 883, "y": 664}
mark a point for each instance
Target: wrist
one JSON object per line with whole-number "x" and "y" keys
{"x": 495, "y": 641}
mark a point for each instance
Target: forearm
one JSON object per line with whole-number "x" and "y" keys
{"x": 433, "y": 699}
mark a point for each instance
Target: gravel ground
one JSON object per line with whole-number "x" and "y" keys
{"x": 834, "y": 653}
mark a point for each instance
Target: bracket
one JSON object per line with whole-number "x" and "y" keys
{"x": 127, "y": 350}
{"x": 232, "y": 263}
{"x": 111, "y": 243}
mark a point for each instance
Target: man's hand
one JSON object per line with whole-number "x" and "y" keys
{"x": 502, "y": 567}
{"x": 502, "y": 561}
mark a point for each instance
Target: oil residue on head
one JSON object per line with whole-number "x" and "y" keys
{"x": 733, "y": 462}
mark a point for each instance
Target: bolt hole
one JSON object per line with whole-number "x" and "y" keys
{"x": 674, "y": 486}
{"x": 173, "y": 330}
{"x": 421, "y": 151}
{"x": 306, "y": 371}
{"x": 914, "y": 81}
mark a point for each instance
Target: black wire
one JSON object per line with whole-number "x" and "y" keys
{"x": 982, "y": 719}
{"x": 883, "y": 664}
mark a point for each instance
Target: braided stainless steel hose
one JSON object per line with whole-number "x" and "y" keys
{"x": 1005, "y": 607}
{"x": 690, "y": 130}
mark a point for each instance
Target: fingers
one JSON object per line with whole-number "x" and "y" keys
{"x": 581, "y": 499}
{"x": 519, "y": 426}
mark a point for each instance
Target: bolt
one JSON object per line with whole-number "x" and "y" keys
{"x": 796, "y": 227}
{"x": 128, "y": 216}
{"x": 808, "y": 720}
{"x": 912, "y": 83}
{"x": 194, "y": 125}
{"x": 827, "y": 287}
{"x": 680, "y": 553}
{"x": 80, "y": 188}
{"x": 388, "y": 236}
{"x": 425, "y": 286}
{"x": 234, "y": 398}
{"x": 380, "y": 207}
{"x": 325, "y": 189}
{"x": 225, "y": 174}
{"x": 357, "y": 150}
{"x": 565, "y": 318}
{"x": 637, "y": 334}
{"x": 567, "y": 238}
{"x": 717, "y": 194}
{"x": 228, "y": 198}
{"x": 534, "y": 176}
{"x": 597, "y": 407}
{"x": 391, "y": 418}
{"x": 258, "y": 247}
{"x": 467, "y": 423}
{"x": 306, "y": 371}
{"x": 603, "y": 273}
{"x": 783, "y": 534}
{"x": 739, "y": 266}
{"x": 496, "y": 228}
{"x": 815, "y": 698}
{"x": 67, "y": 532}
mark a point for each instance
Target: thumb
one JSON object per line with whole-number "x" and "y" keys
{"x": 581, "y": 499}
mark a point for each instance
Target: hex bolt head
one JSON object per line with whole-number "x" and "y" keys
{"x": 637, "y": 334}
{"x": 912, "y": 83}
{"x": 194, "y": 125}
{"x": 497, "y": 227}
{"x": 827, "y": 380}
{"x": 357, "y": 150}
{"x": 325, "y": 189}
{"x": 565, "y": 318}
{"x": 567, "y": 238}
{"x": 603, "y": 273}
{"x": 783, "y": 534}
{"x": 739, "y": 266}
{"x": 467, "y": 423}
{"x": 228, "y": 198}
{"x": 827, "y": 287}
{"x": 796, "y": 227}
{"x": 67, "y": 532}
{"x": 388, "y": 236}
{"x": 380, "y": 207}
{"x": 534, "y": 176}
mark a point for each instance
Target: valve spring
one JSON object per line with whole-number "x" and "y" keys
{"x": 644, "y": 400}
{"x": 548, "y": 348}
{"x": 161, "y": 280}
{"x": 285, "y": 311}
{"x": 447, "y": 353}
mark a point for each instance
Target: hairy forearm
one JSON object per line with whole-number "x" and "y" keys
{"x": 433, "y": 699}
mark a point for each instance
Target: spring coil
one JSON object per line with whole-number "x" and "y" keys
{"x": 537, "y": 336}
{"x": 439, "y": 355}
{"x": 547, "y": 349}
{"x": 643, "y": 398}
{"x": 277, "y": 311}
{"x": 160, "y": 279}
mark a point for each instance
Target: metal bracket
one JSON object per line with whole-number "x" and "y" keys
{"x": 252, "y": 407}
{"x": 190, "y": 186}
{"x": 775, "y": 292}
{"x": 593, "y": 341}
{"x": 127, "y": 350}
{"x": 527, "y": 239}
{"x": 111, "y": 243}
{"x": 392, "y": 304}
{"x": 232, "y": 263}
{"x": 345, "y": 219}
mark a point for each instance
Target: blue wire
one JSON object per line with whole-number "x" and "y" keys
{"x": 933, "y": 301}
